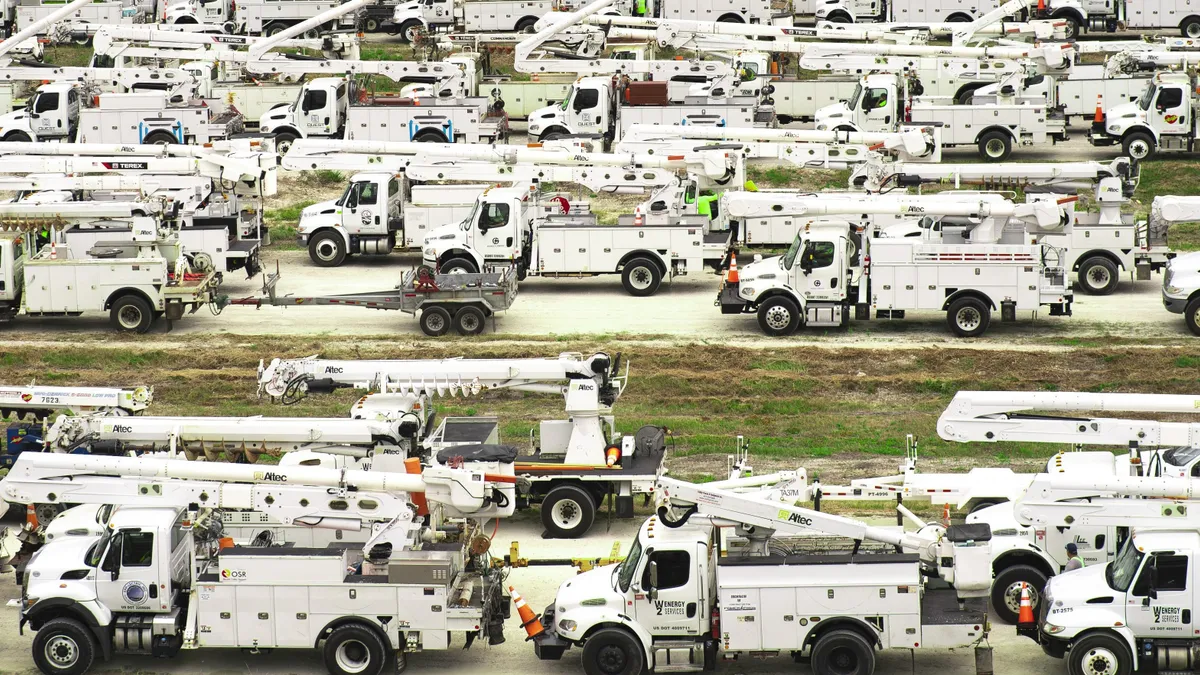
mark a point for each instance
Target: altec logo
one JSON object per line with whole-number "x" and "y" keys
{"x": 796, "y": 518}
{"x": 333, "y": 370}
{"x": 122, "y": 429}
{"x": 270, "y": 475}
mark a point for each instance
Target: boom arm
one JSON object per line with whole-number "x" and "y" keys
{"x": 877, "y": 175}
{"x": 989, "y": 416}
{"x": 1085, "y": 498}
{"x": 76, "y": 399}
{"x": 795, "y": 145}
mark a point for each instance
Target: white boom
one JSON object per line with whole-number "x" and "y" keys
{"x": 172, "y": 80}
{"x": 824, "y": 56}
{"x": 33, "y": 30}
{"x": 262, "y": 47}
{"x": 1085, "y": 498}
{"x": 231, "y": 165}
{"x": 876, "y": 175}
{"x": 1168, "y": 209}
{"x": 41, "y": 400}
{"x": 240, "y": 437}
{"x": 993, "y": 416}
{"x": 1149, "y": 60}
{"x": 156, "y": 43}
{"x": 761, "y": 518}
{"x": 794, "y": 145}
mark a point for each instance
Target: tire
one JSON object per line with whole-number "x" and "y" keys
{"x": 964, "y": 96}
{"x": 371, "y": 24}
{"x": 327, "y": 249}
{"x": 435, "y": 321}
{"x": 641, "y": 277}
{"x": 983, "y": 504}
{"x": 283, "y": 142}
{"x": 1190, "y": 28}
{"x": 131, "y": 314}
{"x": 354, "y": 650}
{"x": 1139, "y": 145}
{"x": 843, "y": 652}
{"x": 64, "y": 647}
{"x": 274, "y": 28}
{"x": 470, "y": 320}
{"x": 1103, "y": 653}
{"x": 612, "y": 651}
{"x": 731, "y": 18}
{"x": 160, "y": 137}
{"x": 17, "y": 137}
{"x": 459, "y": 266}
{"x": 429, "y": 136}
{"x": 552, "y": 136}
{"x": 567, "y": 513}
{"x": 840, "y": 17}
{"x": 46, "y": 512}
{"x": 1192, "y": 316}
{"x": 526, "y": 25}
{"x": 995, "y": 146}
{"x": 1072, "y": 30}
{"x": 409, "y": 30}
{"x": 1098, "y": 276}
{"x": 958, "y": 18}
{"x": 968, "y": 317}
{"x": 1006, "y": 590}
{"x": 778, "y": 316}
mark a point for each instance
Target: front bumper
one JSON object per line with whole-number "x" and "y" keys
{"x": 1174, "y": 305}
{"x": 302, "y": 239}
{"x": 729, "y": 300}
{"x": 547, "y": 645}
{"x": 1098, "y": 135}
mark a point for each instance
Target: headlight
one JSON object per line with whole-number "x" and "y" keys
{"x": 747, "y": 292}
{"x": 567, "y": 626}
{"x": 1173, "y": 290}
{"x": 1051, "y": 629}
{"x": 1114, "y": 128}
{"x": 822, "y": 127}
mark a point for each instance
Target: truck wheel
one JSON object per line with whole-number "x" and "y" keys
{"x": 983, "y": 504}
{"x": 469, "y": 320}
{"x": 968, "y": 317}
{"x": 274, "y": 28}
{"x": 612, "y": 651}
{"x": 354, "y": 650}
{"x": 409, "y": 30}
{"x": 1072, "y": 28}
{"x": 131, "y": 314}
{"x": 641, "y": 277}
{"x": 843, "y": 652}
{"x": 458, "y": 266}
{"x": 47, "y": 511}
{"x": 840, "y": 17}
{"x": 1192, "y": 316}
{"x": 1006, "y": 590}
{"x": 429, "y": 136}
{"x": 1098, "y": 276}
{"x": 995, "y": 146}
{"x": 327, "y": 249}
{"x": 64, "y": 647}
{"x": 526, "y": 25}
{"x": 160, "y": 137}
{"x": 17, "y": 137}
{"x": 778, "y": 316}
{"x": 1190, "y": 28}
{"x": 1138, "y": 145}
{"x": 1096, "y": 654}
{"x": 435, "y": 321}
{"x": 567, "y": 513}
{"x": 283, "y": 142}
{"x": 371, "y": 24}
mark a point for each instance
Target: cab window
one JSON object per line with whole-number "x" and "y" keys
{"x": 875, "y": 98}
{"x": 368, "y": 193}
{"x": 674, "y": 568}
{"x": 586, "y": 99}
{"x": 1169, "y": 572}
{"x": 137, "y": 549}
{"x": 46, "y": 102}
{"x": 819, "y": 254}
{"x": 1169, "y": 98}
{"x": 394, "y": 188}
{"x": 314, "y": 99}
{"x": 494, "y": 215}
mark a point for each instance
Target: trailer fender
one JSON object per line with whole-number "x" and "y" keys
{"x": 843, "y": 623}
{"x": 639, "y": 633}
{"x": 120, "y": 292}
{"x": 645, "y": 253}
{"x": 388, "y": 632}
{"x": 965, "y": 293}
{"x": 1098, "y": 253}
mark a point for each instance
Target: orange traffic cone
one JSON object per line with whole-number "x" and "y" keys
{"x": 1041, "y": 7}
{"x": 1099, "y": 118}
{"x": 946, "y": 515}
{"x": 529, "y": 621}
{"x": 1025, "y": 612}
{"x": 612, "y": 454}
{"x": 54, "y": 250}
{"x": 732, "y": 276}
{"x": 637, "y": 217}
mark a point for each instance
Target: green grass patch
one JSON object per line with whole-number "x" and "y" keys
{"x": 1187, "y": 361}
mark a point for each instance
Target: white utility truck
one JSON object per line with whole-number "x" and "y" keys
{"x": 272, "y": 17}
{"x": 1161, "y": 119}
{"x": 677, "y": 603}
{"x": 832, "y": 267}
{"x": 41, "y": 401}
{"x": 568, "y": 471}
{"x": 1181, "y": 281}
{"x": 363, "y": 607}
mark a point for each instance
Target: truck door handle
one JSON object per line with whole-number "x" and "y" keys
{"x": 508, "y": 242}
{"x": 1187, "y": 616}
{"x": 691, "y": 611}
{"x": 153, "y": 590}
{"x": 376, "y": 220}
{"x": 326, "y": 121}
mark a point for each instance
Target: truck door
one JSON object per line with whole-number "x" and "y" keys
{"x": 1091, "y": 540}
{"x": 496, "y": 230}
{"x": 587, "y": 112}
{"x": 878, "y": 109}
{"x": 1159, "y": 602}
{"x": 1169, "y": 114}
{"x": 128, "y": 579}
{"x": 47, "y": 115}
{"x": 316, "y": 112}
{"x": 438, "y": 11}
{"x": 672, "y": 605}
{"x": 360, "y": 211}
{"x": 822, "y": 265}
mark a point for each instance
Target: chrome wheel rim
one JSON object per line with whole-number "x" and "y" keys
{"x": 567, "y": 514}
{"x": 352, "y": 656}
{"x": 62, "y": 651}
{"x": 778, "y": 317}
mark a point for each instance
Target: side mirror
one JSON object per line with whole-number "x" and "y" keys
{"x": 806, "y": 257}
{"x": 652, "y": 592}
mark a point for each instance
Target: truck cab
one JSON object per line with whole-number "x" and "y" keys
{"x": 498, "y": 230}
{"x": 873, "y": 106}
{"x": 586, "y": 109}
{"x": 318, "y": 111}
{"x": 193, "y": 12}
{"x": 51, "y": 114}
{"x": 422, "y": 15}
{"x": 850, "y": 11}
{"x": 364, "y": 220}
{"x": 13, "y": 251}
{"x": 1135, "y": 610}
{"x": 1159, "y": 119}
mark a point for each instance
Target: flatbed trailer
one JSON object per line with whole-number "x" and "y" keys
{"x": 462, "y": 301}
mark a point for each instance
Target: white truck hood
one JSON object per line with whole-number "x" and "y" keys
{"x": 1184, "y": 271}
{"x": 830, "y": 116}
{"x": 543, "y": 117}
{"x": 441, "y": 238}
{"x": 1073, "y": 590}
{"x": 765, "y": 270}
{"x": 77, "y": 521}
{"x": 53, "y": 559}
{"x": 999, "y": 517}
{"x": 11, "y": 119}
{"x": 1122, "y": 116}
{"x": 406, "y": 9}
{"x": 308, "y": 215}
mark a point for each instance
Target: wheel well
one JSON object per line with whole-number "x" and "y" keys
{"x": 60, "y": 609}
{"x": 960, "y": 16}
{"x": 731, "y": 17}
{"x": 1138, "y": 130}
{"x": 593, "y": 488}
{"x": 455, "y": 253}
{"x": 526, "y": 20}
{"x": 601, "y": 626}
{"x": 844, "y": 623}
{"x": 428, "y": 132}
{"x": 840, "y": 14}
{"x": 650, "y": 255}
{"x": 1069, "y": 13}
{"x": 286, "y": 130}
{"x": 555, "y": 130}
{"x": 969, "y": 293}
{"x": 767, "y": 295}
{"x": 1098, "y": 254}
{"x": 1021, "y": 558}
{"x": 121, "y": 292}
{"x": 1008, "y": 132}
{"x": 1189, "y": 19}
{"x": 347, "y": 621}
{"x": 969, "y": 88}
{"x": 1194, "y": 296}
{"x": 1110, "y": 633}
{"x": 187, "y": 18}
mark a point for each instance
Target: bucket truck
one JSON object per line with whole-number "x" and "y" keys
{"x": 1181, "y": 282}
{"x": 1098, "y": 245}
{"x": 404, "y": 595}
{"x": 831, "y": 267}
{"x": 569, "y": 472}
{"x": 272, "y": 17}
{"x": 41, "y": 401}
{"x": 677, "y": 604}
{"x": 1161, "y": 119}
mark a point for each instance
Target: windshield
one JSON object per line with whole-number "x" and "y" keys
{"x": 567, "y": 98}
{"x": 466, "y": 224}
{"x": 1181, "y": 456}
{"x": 96, "y": 552}
{"x": 1146, "y": 97}
{"x": 627, "y": 568}
{"x": 789, "y": 258}
{"x": 1121, "y": 571}
{"x": 852, "y": 102}
{"x": 103, "y": 513}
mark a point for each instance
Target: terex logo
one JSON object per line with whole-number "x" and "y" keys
{"x": 796, "y": 518}
{"x": 126, "y": 166}
{"x": 270, "y": 475}
{"x": 333, "y": 370}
